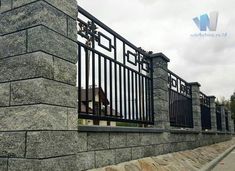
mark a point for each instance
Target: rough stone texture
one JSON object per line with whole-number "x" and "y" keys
{"x": 133, "y": 139}
{"x": 72, "y": 119}
{"x": 12, "y": 144}
{"x": 23, "y": 164}
{"x": 123, "y": 154}
{"x": 55, "y": 143}
{"x": 68, "y": 7}
{"x": 41, "y": 38}
{"x": 180, "y": 161}
{"x": 33, "y": 117}
{"x": 5, "y": 5}
{"x": 137, "y": 152}
{"x": 3, "y": 164}
{"x": 60, "y": 164}
{"x": 160, "y": 92}
{"x": 72, "y": 28}
{"x": 31, "y": 15}
{"x": 196, "y": 106}
{"x": 30, "y": 65}
{"x": 213, "y": 113}
{"x": 13, "y": 44}
{"x": 118, "y": 140}
{"x": 104, "y": 158}
{"x": 98, "y": 141}
{"x": 40, "y": 90}
{"x": 4, "y": 94}
{"x": 222, "y": 108}
{"x": 65, "y": 71}
{"x": 85, "y": 160}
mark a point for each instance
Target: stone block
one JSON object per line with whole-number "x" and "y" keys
{"x": 40, "y": 90}
{"x": 137, "y": 152}
{"x": 3, "y": 164}
{"x": 65, "y": 71}
{"x": 59, "y": 164}
{"x": 104, "y": 158}
{"x": 42, "y": 38}
{"x": 133, "y": 139}
{"x": 4, "y": 94}
{"x": 123, "y": 155}
{"x": 72, "y": 28}
{"x": 44, "y": 144}
{"x": 12, "y": 144}
{"x": 146, "y": 138}
{"x": 13, "y": 44}
{"x": 5, "y": 6}
{"x": 149, "y": 151}
{"x": 26, "y": 66}
{"x": 68, "y": 7}
{"x": 98, "y": 141}
{"x": 34, "y": 14}
{"x": 85, "y": 160}
{"x": 161, "y": 94}
{"x": 72, "y": 119}
{"x": 24, "y": 164}
{"x": 33, "y": 117}
{"x": 118, "y": 140}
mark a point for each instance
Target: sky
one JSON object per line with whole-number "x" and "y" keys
{"x": 166, "y": 26}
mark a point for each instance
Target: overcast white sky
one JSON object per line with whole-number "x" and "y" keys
{"x": 166, "y": 25}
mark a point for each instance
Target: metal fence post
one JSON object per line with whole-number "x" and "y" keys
{"x": 196, "y": 105}
{"x": 160, "y": 90}
{"x": 213, "y": 113}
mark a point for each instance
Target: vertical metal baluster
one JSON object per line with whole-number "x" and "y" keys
{"x": 115, "y": 75}
{"x": 133, "y": 98}
{"x": 129, "y": 92}
{"x": 111, "y": 88}
{"x": 87, "y": 80}
{"x": 79, "y": 79}
{"x": 146, "y": 99}
{"x": 143, "y": 106}
{"x": 105, "y": 84}
{"x": 100, "y": 88}
{"x": 124, "y": 81}
{"x": 136, "y": 95}
{"x": 120, "y": 89}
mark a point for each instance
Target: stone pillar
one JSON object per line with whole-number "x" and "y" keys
{"x": 160, "y": 91}
{"x": 213, "y": 113}
{"x": 196, "y": 106}
{"x": 223, "y": 118}
{"x": 230, "y": 121}
{"x": 38, "y": 55}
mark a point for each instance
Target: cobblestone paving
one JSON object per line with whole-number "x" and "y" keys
{"x": 189, "y": 160}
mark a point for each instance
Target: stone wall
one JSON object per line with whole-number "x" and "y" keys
{"x": 38, "y": 117}
{"x": 93, "y": 147}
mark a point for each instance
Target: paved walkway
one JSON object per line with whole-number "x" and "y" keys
{"x": 227, "y": 164}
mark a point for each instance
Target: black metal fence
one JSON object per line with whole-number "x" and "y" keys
{"x": 226, "y": 120}
{"x": 205, "y": 111}
{"x": 218, "y": 118}
{"x": 180, "y": 101}
{"x": 114, "y": 76}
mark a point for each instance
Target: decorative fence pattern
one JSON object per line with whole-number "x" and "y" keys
{"x": 205, "y": 111}
{"x": 218, "y": 118}
{"x": 180, "y": 101}
{"x": 117, "y": 75}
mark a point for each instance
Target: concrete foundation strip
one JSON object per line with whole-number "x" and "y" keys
{"x": 214, "y": 162}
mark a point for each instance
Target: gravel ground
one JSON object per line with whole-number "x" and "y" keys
{"x": 189, "y": 160}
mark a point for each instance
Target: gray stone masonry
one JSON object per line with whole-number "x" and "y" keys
{"x": 230, "y": 120}
{"x": 196, "y": 106}
{"x": 38, "y": 55}
{"x": 222, "y": 108}
{"x": 213, "y": 113}
{"x": 160, "y": 91}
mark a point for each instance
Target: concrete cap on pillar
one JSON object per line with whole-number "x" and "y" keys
{"x": 212, "y": 97}
{"x": 195, "y": 84}
{"x": 160, "y": 55}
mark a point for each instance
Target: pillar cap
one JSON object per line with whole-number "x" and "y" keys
{"x": 213, "y": 97}
{"x": 195, "y": 84}
{"x": 160, "y": 55}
